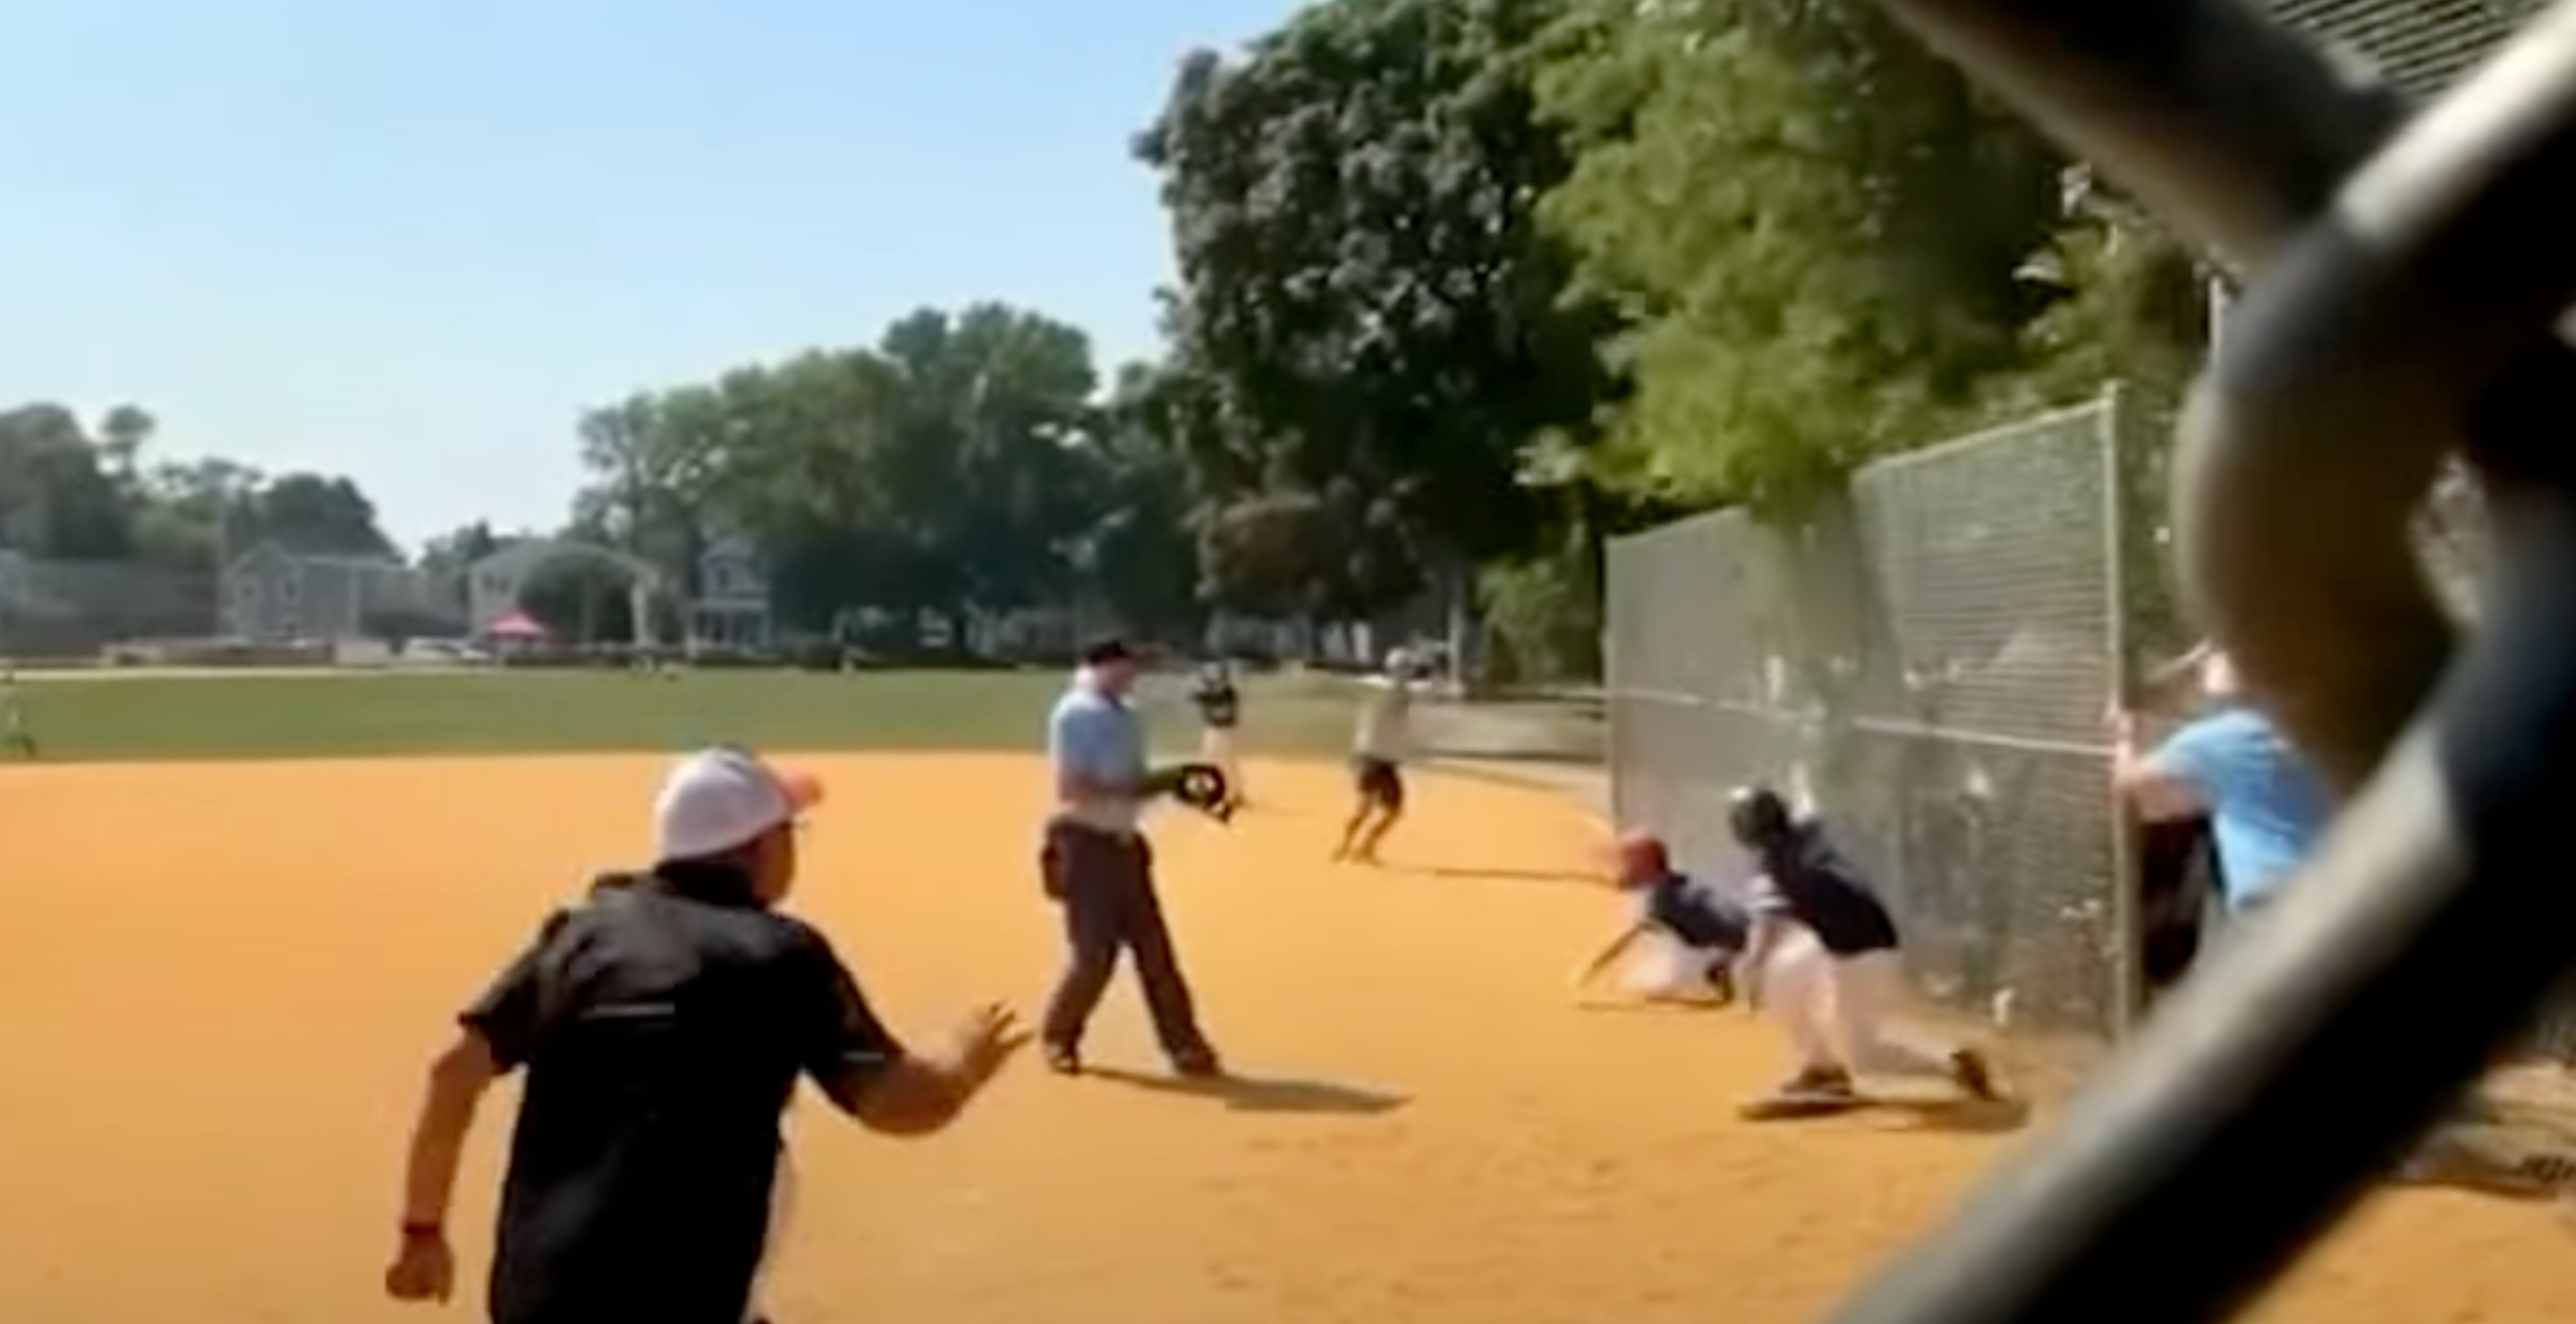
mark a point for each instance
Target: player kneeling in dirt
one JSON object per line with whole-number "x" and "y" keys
{"x": 1701, "y": 928}
{"x": 1823, "y": 956}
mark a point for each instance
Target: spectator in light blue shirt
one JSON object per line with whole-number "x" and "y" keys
{"x": 2266, "y": 804}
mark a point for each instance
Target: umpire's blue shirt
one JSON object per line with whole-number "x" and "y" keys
{"x": 1095, "y": 735}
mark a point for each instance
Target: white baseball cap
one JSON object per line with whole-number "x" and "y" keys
{"x": 718, "y": 799}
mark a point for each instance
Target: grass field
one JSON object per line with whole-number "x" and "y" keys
{"x": 117, "y": 716}
{"x": 219, "y": 984}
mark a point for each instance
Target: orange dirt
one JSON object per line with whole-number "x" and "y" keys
{"x": 218, "y": 985}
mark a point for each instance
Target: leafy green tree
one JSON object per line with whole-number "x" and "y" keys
{"x": 452, "y": 552}
{"x": 1543, "y": 616}
{"x": 996, "y": 402}
{"x": 197, "y": 514}
{"x": 1374, "y": 321}
{"x": 122, "y": 434}
{"x": 1141, "y": 554}
{"x": 1815, "y": 229}
{"x": 306, "y": 512}
{"x": 55, "y": 498}
{"x": 583, "y": 599}
{"x": 650, "y": 457}
{"x": 950, "y": 469}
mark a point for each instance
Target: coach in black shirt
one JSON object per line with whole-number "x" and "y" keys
{"x": 663, "y": 1022}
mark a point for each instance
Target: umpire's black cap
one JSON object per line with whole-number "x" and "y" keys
{"x": 1102, "y": 652}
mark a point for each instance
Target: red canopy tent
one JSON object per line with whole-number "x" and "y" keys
{"x": 516, "y": 626}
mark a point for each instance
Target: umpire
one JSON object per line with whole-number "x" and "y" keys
{"x": 1098, "y": 866}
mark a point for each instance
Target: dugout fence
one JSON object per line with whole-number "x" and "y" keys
{"x": 1931, "y": 655}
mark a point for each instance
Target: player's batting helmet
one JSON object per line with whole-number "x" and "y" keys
{"x": 1642, "y": 858}
{"x": 1758, "y": 816}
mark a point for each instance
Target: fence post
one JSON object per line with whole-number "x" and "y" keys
{"x": 2128, "y": 929}
{"x": 1612, "y": 718}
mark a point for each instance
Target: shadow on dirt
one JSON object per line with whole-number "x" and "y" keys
{"x": 1257, "y": 1094}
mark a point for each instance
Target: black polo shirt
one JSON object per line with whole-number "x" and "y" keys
{"x": 1695, "y": 913}
{"x": 1812, "y": 883}
{"x": 663, "y": 1023}
{"x": 1219, "y": 705}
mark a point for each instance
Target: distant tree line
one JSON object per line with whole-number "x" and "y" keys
{"x": 79, "y": 491}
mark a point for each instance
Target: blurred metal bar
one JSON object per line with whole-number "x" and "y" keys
{"x": 2275, "y": 1086}
{"x": 2128, "y": 928}
{"x": 2356, "y": 362}
{"x": 2222, "y": 123}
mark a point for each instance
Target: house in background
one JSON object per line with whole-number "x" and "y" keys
{"x": 731, "y": 607}
{"x": 273, "y": 595}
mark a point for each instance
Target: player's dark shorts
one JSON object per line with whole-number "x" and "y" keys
{"x": 1379, "y": 782}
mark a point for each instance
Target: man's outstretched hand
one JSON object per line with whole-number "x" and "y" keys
{"x": 987, "y": 1040}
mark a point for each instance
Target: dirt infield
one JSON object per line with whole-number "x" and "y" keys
{"x": 218, "y": 985}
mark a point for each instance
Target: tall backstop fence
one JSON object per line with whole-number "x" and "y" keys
{"x": 1931, "y": 656}
{"x": 53, "y": 610}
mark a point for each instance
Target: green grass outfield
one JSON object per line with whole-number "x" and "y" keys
{"x": 128, "y": 716}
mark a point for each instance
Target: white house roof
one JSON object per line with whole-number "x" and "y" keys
{"x": 522, "y": 553}
{"x": 272, "y": 551}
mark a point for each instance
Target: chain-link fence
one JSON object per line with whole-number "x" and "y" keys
{"x": 1930, "y": 659}
{"x": 71, "y": 609}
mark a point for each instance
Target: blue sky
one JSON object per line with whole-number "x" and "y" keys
{"x": 409, "y": 242}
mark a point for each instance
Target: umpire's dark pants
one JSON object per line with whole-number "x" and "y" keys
{"x": 1105, "y": 882}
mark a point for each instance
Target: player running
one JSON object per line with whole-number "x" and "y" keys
{"x": 1824, "y": 955}
{"x": 1703, "y": 930}
{"x": 1220, "y": 709}
{"x": 1378, "y": 752}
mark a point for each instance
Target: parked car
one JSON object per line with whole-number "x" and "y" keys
{"x": 441, "y": 653}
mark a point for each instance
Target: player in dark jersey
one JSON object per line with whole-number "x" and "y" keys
{"x": 1824, "y": 956}
{"x": 1220, "y": 708}
{"x": 1703, "y": 929}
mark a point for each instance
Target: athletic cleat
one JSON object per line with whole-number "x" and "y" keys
{"x": 1197, "y": 1064}
{"x": 1064, "y": 1059}
{"x": 1820, "y": 1084}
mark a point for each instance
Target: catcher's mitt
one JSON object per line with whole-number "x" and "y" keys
{"x": 1201, "y": 786}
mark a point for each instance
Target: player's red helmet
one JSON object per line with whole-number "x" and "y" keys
{"x": 1642, "y": 858}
